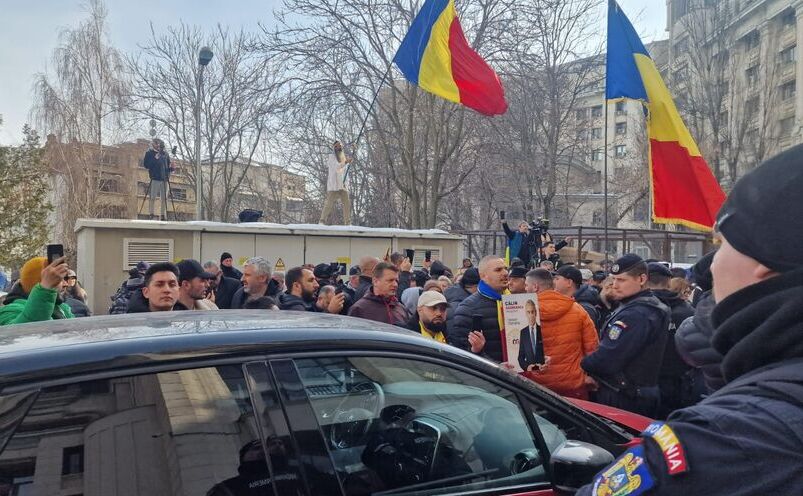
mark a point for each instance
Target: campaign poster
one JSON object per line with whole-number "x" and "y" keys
{"x": 522, "y": 336}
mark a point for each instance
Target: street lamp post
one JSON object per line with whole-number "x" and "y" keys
{"x": 204, "y": 57}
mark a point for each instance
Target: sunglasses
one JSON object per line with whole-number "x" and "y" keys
{"x": 69, "y": 278}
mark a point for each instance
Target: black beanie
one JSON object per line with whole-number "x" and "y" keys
{"x": 224, "y": 256}
{"x": 759, "y": 218}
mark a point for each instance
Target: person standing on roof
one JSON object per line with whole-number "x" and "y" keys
{"x": 337, "y": 164}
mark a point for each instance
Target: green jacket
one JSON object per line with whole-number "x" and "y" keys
{"x": 42, "y": 304}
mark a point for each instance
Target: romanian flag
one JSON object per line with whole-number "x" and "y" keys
{"x": 436, "y": 56}
{"x": 684, "y": 191}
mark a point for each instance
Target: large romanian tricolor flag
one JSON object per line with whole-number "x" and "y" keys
{"x": 436, "y": 56}
{"x": 684, "y": 191}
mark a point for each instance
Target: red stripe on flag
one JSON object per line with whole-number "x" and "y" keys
{"x": 479, "y": 86}
{"x": 684, "y": 189}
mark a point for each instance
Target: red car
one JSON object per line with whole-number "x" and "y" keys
{"x": 280, "y": 403}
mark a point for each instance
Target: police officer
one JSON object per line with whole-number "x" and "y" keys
{"x": 675, "y": 378}
{"x": 628, "y": 359}
{"x": 747, "y": 437}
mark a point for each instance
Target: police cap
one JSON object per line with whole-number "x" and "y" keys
{"x": 626, "y": 263}
{"x": 659, "y": 269}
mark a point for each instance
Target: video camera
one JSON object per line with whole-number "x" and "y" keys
{"x": 540, "y": 226}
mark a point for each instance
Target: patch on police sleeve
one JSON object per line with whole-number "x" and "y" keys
{"x": 665, "y": 438}
{"x": 629, "y": 475}
{"x": 615, "y": 330}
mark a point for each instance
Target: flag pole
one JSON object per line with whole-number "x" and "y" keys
{"x": 368, "y": 114}
{"x": 605, "y": 173}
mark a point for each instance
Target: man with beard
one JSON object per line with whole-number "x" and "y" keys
{"x": 256, "y": 281}
{"x": 193, "y": 289}
{"x": 301, "y": 293}
{"x": 337, "y": 163}
{"x": 431, "y": 321}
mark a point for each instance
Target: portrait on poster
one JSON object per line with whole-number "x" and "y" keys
{"x": 523, "y": 343}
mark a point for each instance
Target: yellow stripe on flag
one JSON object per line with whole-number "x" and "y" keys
{"x": 435, "y": 74}
{"x": 665, "y": 123}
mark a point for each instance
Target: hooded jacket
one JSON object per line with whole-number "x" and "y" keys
{"x": 380, "y": 309}
{"x": 568, "y": 334}
{"x": 120, "y": 299}
{"x": 693, "y": 344}
{"x": 41, "y": 305}
{"x": 137, "y": 303}
{"x": 588, "y": 298}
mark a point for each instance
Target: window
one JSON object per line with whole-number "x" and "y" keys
{"x": 596, "y": 218}
{"x": 751, "y": 107}
{"x": 751, "y": 75}
{"x": 787, "y": 55}
{"x": 621, "y": 128}
{"x": 752, "y": 40}
{"x": 109, "y": 185}
{"x": 392, "y": 423}
{"x": 621, "y": 108}
{"x": 641, "y": 210}
{"x": 596, "y": 133}
{"x": 72, "y": 460}
{"x": 786, "y": 126}
{"x": 681, "y": 74}
{"x": 179, "y": 194}
{"x": 596, "y": 111}
{"x": 788, "y": 90}
{"x": 788, "y": 19}
{"x": 582, "y": 134}
{"x": 181, "y": 432}
{"x": 142, "y": 188}
{"x": 596, "y": 155}
{"x": 580, "y": 114}
{"x": 680, "y": 47}
{"x": 620, "y": 151}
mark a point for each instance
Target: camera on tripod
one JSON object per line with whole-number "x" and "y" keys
{"x": 540, "y": 226}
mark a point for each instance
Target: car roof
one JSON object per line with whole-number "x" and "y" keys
{"x": 40, "y": 351}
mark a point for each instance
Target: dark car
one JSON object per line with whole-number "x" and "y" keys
{"x": 278, "y": 403}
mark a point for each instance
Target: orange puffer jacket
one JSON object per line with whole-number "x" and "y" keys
{"x": 568, "y": 335}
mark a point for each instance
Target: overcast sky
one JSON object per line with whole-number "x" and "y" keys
{"x": 31, "y": 27}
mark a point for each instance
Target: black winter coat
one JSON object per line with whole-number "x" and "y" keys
{"x": 461, "y": 325}
{"x": 225, "y": 292}
{"x": 455, "y": 296}
{"x": 362, "y": 288}
{"x": 288, "y": 301}
{"x": 231, "y": 272}
{"x": 137, "y": 303}
{"x": 673, "y": 365}
{"x": 693, "y": 343}
{"x": 588, "y": 298}
{"x": 240, "y": 297}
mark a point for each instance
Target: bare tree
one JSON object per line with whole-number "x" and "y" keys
{"x": 416, "y": 144}
{"x": 82, "y": 102}
{"x": 238, "y": 106}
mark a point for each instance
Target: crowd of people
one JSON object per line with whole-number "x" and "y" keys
{"x": 574, "y": 349}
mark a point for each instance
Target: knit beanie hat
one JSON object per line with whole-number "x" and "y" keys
{"x": 224, "y": 256}
{"x": 759, "y": 218}
{"x": 31, "y": 273}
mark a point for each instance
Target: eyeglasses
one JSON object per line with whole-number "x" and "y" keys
{"x": 68, "y": 278}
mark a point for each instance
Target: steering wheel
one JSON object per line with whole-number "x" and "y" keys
{"x": 356, "y": 414}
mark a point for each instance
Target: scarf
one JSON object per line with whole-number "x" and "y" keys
{"x": 760, "y": 324}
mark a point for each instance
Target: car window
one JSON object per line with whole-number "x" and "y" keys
{"x": 188, "y": 432}
{"x": 401, "y": 426}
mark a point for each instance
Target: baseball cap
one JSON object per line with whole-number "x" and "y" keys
{"x": 142, "y": 266}
{"x": 571, "y": 273}
{"x": 587, "y": 274}
{"x": 355, "y": 270}
{"x": 431, "y": 299}
{"x": 189, "y": 269}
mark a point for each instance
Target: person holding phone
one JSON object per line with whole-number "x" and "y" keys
{"x": 35, "y": 297}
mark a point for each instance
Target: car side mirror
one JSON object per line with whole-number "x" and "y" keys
{"x": 575, "y": 463}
